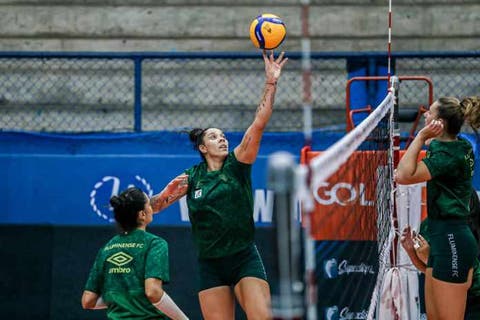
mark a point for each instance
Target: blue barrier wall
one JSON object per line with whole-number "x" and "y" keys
{"x": 68, "y": 179}
{"x": 54, "y": 192}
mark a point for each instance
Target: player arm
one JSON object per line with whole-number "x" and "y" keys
{"x": 409, "y": 169}
{"x": 161, "y": 300}
{"x": 174, "y": 190}
{"x": 417, "y": 262}
{"x": 408, "y": 243}
{"x": 247, "y": 150}
{"x": 91, "y": 300}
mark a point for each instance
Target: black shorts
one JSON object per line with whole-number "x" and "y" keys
{"x": 229, "y": 270}
{"x": 453, "y": 250}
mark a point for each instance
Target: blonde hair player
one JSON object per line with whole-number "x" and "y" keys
{"x": 448, "y": 171}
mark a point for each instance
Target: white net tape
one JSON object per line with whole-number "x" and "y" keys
{"x": 330, "y": 160}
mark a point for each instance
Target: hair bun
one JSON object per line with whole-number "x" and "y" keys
{"x": 194, "y": 134}
{"x": 117, "y": 202}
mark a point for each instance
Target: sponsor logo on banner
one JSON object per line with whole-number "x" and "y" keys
{"x": 343, "y": 194}
{"x": 334, "y": 313}
{"x": 345, "y": 204}
{"x": 110, "y": 186}
{"x": 348, "y": 203}
{"x": 333, "y": 269}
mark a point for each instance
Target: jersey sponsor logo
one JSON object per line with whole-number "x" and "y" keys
{"x": 120, "y": 259}
{"x": 109, "y": 186}
{"x": 334, "y": 313}
{"x": 198, "y": 194}
{"x": 333, "y": 269}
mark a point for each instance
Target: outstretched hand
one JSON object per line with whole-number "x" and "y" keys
{"x": 273, "y": 67}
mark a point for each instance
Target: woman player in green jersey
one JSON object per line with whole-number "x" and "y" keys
{"x": 220, "y": 202}
{"x": 448, "y": 170}
{"x": 129, "y": 270}
{"x": 418, "y": 249}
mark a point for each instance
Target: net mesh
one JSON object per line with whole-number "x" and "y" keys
{"x": 350, "y": 222}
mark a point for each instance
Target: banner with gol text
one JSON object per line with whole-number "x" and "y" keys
{"x": 347, "y": 204}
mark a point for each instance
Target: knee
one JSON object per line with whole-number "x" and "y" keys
{"x": 259, "y": 312}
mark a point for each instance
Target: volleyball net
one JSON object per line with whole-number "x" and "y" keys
{"x": 351, "y": 215}
{"x": 346, "y": 194}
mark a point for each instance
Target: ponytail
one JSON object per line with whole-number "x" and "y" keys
{"x": 471, "y": 110}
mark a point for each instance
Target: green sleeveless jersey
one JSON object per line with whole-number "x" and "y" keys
{"x": 120, "y": 270}
{"x": 451, "y": 167}
{"x": 220, "y": 205}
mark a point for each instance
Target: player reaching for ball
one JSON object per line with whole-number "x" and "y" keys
{"x": 220, "y": 203}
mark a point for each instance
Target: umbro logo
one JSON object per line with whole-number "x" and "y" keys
{"x": 119, "y": 259}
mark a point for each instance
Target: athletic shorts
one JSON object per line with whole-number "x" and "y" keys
{"x": 453, "y": 250}
{"x": 229, "y": 270}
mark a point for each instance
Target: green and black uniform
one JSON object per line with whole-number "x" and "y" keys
{"x": 220, "y": 207}
{"x": 472, "y": 311}
{"x": 120, "y": 270}
{"x": 453, "y": 248}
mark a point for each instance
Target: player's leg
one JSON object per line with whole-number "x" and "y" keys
{"x": 429, "y": 306}
{"x": 449, "y": 299}
{"x": 251, "y": 286}
{"x": 253, "y": 294}
{"x": 217, "y": 303}
{"x": 453, "y": 253}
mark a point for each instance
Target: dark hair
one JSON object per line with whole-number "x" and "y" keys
{"x": 456, "y": 112}
{"x": 126, "y": 207}
{"x": 196, "y": 136}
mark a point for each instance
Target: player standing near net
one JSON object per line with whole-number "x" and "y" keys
{"x": 418, "y": 250}
{"x": 129, "y": 271}
{"x": 220, "y": 203}
{"x": 448, "y": 170}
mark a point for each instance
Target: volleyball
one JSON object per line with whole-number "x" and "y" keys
{"x": 267, "y": 31}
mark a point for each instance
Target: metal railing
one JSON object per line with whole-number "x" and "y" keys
{"x": 113, "y": 92}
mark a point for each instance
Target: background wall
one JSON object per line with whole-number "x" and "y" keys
{"x": 222, "y": 25}
{"x": 46, "y": 268}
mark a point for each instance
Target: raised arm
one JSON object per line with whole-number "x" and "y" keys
{"x": 247, "y": 150}
{"x": 409, "y": 169}
{"x": 174, "y": 190}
